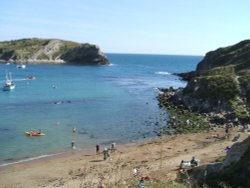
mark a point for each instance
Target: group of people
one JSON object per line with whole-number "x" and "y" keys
{"x": 192, "y": 163}
{"x": 107, "y": 151}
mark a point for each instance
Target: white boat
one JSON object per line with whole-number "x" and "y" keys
{"x": 21, "y": 66}
{"x": 9, "y": 84}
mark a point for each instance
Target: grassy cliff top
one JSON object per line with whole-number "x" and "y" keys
{"x": 237, "y": 55}
{"x": 32, "y": 43}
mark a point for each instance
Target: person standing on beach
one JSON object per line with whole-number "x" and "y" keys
{"x": 227, "y": 129}
{"x": 97, "y": 148}
{"x": 73, "y": 144}
{"x": 109, "y": 150}
{"x": 113, "y": 146}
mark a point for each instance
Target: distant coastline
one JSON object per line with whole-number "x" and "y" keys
{"x": 56, "y": 51}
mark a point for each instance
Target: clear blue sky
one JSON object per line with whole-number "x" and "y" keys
{"x": 191, "y": 27}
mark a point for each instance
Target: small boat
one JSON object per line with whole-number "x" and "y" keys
{"x": 34, "y": 133}
{"x": 21, "y": 66}
{"x": 30, "y": 78}
{"x": 9, "y": 84}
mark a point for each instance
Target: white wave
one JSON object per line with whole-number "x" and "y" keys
{"x": 157, "y": 90}
{"x": 29, "y": 159}
{"x": 19, "y": 79}
{"x": 16, "y": 80}
{"x": 163, "y": 73}
{"x": 111, "y": 65}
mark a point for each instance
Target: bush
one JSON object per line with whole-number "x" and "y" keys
{"x": 213, "y": 88}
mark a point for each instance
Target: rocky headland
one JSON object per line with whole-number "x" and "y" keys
{"x": 31, "y": 51}
{"x": 218, "y": 89}
{"x": 217, "y": 94}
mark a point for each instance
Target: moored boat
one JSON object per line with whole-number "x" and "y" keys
{"x": 21, "y": 66}
{"x": 9, "y": 84}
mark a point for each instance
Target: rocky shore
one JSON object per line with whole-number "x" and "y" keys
{"x": 185, "y": 119}
{"x": 217, "y": 92}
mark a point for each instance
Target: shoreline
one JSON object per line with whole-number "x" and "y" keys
{"x": 155, "y": 157}
{"x": 65, "y": 153}
{"x": 29, "y": 159}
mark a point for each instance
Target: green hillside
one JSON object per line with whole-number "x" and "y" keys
{"x": 221, "y": 81}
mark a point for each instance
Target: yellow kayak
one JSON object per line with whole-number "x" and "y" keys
{"x": 33, "y": 133}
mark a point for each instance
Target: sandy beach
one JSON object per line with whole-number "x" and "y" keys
{"x": 156, "y": 158}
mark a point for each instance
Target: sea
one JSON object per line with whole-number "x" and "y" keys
{"x": 109, "y": 103}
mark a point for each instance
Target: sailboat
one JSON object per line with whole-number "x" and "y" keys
{"x": 9, "y": 84}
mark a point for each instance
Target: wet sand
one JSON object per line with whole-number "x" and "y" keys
{"x": 157, "y": 158}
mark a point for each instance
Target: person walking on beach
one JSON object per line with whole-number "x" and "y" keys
{"x": 105, "y": 153}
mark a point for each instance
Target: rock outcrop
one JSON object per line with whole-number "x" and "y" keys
{"x": 51, "y": 51}
{"x": 220, "y": 84}
{"x": 90, "y": 53}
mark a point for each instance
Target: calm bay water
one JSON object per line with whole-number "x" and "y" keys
{"x": 105, "y": 103}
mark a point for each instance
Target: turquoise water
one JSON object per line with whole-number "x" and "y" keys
{"x": 106, "y": 103}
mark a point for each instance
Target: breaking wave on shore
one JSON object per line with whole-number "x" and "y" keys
{"x": 163, "y": 73}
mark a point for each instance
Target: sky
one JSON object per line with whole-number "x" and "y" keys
{"x": 183, "y": 27}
